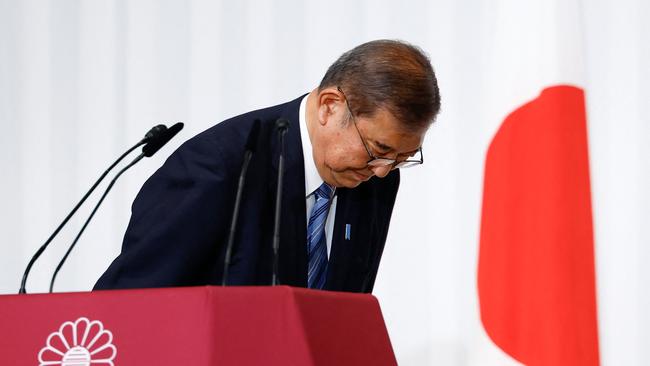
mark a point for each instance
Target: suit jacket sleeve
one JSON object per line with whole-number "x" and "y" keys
{"x": 178, "y": 222}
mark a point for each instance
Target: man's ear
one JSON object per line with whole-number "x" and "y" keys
{"x": 329, "y": 99}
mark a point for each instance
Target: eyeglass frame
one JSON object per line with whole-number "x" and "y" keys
{"x": 379, "y": 161}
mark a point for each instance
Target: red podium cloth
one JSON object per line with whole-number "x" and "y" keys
{"x": 194, "y": 326}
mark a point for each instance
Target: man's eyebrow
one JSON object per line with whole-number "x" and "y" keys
{"x": 386, "y": 148}
{"x": 382, "y": 146}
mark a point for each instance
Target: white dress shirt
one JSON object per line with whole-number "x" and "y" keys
{"x": 312, "y": 178}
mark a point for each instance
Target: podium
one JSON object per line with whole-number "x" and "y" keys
{"x": 199, "y": 326}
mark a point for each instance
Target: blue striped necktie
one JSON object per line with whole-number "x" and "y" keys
{"x": 316, "y": 242}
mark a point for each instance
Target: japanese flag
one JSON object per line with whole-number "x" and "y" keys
{"x": 536, "y": 281}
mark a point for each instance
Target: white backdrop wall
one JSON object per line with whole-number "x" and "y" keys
{"x": 80, "y": 81}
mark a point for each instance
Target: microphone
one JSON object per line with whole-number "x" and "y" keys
{"x": 152, "y": 134}
{"x": 157, "y": 138}
{"x": 160, "y": 139}
{"x": 251, "y": 146}
{"x": 282, "y": 125}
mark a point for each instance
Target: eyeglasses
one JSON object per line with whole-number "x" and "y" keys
{"x": 375, "y": 161}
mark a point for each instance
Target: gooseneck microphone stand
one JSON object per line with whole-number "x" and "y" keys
{"x": 282, "y": 126}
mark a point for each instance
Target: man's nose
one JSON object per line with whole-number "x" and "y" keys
{"x": 381, "y": 171}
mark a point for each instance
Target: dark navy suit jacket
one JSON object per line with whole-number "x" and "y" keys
{"x": 180, "y": 218}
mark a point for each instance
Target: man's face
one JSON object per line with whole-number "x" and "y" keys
{"x": 338, "y": 148}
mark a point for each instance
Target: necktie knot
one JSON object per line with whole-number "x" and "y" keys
{"x": 324, "y": 191}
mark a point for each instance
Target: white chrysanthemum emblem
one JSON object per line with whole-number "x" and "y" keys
{"x": 81, "y": 343}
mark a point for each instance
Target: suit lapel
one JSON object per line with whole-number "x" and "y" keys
{"x": 348, "y": 263}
